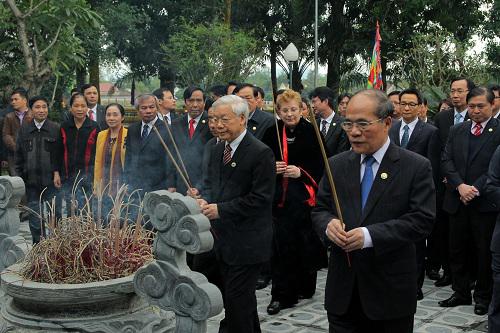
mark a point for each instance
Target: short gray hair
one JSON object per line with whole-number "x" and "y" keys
{"x": 238, "y": 105}
{"x": 384, "y": 105}
{"x": 141, "y": 98}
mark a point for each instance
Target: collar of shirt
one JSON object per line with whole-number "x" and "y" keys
{"x": 463, "y": 113}
{"x": 39, "y": 125}
{"x": 483, "y": 125}
{"x": 197, "y": 119}
{"x": 236, "y": 142}
{"x": 329, "y": 119}
{"x": 378, "y": 155}
{"x": 410, "y": 125}
{"x": 94, "y": 111}
{"x": 150, "y": 124}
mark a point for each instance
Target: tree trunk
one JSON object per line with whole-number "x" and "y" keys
{"x": 132, "y": 92}
{"x": 333, "y": 74}
{"x": 94, "y": 77}
{"x": 81, "y": 76}
{"x": 227, "y": 14}
{"x": 167, "y": 78}
{"x": 296, "y": 77}
{"x": 272, "y": 56}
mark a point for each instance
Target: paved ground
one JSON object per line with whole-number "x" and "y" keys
{"x": 309, "y": 316}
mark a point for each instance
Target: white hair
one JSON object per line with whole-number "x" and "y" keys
{"x": 141, "y": 98}
{"x": 238, "y": 105}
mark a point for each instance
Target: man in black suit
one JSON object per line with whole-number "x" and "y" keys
{"x": 322, "y": 99}
{"x": 419, "y": 137}
{"x": 96, "y": 110}
{"x": 493, "y": 193}
{"x": 394, "y": 98}
{"x": 388, "y": 204}
{"x": 147, "y": 166}
{"x": 238, "y": 200}
{"x": 191, "y": 133}
{"x": 443, "y": 120}
{"x": 495, "y": 89}
{"x": 166, "y": 103}
{"x": 464, "y": 162}
{"x": 258, "y": 120}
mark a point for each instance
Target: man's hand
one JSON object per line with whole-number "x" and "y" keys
{"x": 336, "y": 233}
{"x": 193, "y": 193}
{"x": 202, "y": 202}
{"x": 292, "y": 171}
{"x": 355, "y": 240}
{"x": 280, "y": 167}
{"x": 57, "y": 179}
{"x": 467, "y": 192}
{"x": 171, "y": 189}
{"x": 210, "y": 211}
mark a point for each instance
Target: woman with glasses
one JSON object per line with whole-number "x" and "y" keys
{"x": 297, "y": 251}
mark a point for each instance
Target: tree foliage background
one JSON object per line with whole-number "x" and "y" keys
{"x": 180, "y": 42}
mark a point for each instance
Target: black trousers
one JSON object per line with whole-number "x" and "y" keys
{"x": 420, "y": 255}
{"x": 494, "y": 310}
{"x": 34, "y": 199}
{"x": 438, "y": 242}
{"x": 469, "y": 226}
{"x": 356, "y": 321}
{"x": 208, "y": 265}
{"x": 240, "y": 303}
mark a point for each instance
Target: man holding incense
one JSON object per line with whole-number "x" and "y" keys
{"x": 387, "y": 204}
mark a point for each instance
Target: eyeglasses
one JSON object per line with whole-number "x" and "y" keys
{"x": 410, "y": 105}
{"x": 360, "y": 124}
{"x": 479, "y": 106}
{"x": 458, "y": 91}
{"x": 223, "y": 120}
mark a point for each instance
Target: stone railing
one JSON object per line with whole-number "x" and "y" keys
{"x": 168, "y": 282}
{"x": 12, "y": 246}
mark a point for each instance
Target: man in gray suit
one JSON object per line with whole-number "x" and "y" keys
{"x": 387, "y": 198}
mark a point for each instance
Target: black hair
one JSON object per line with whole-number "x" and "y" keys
{"x": 160, "y": 91}
{"x": 74, "y": 90}
{"x": 481, "y": 91}
{"x": 72, "y": 99}
{"x": 35, "y": 99}
{"x": 412, "y": 91}
{"x": 21, "y": 91}
{"x": 87, "y": 86}
{"x": 494, "y": 87}
{"x": 260, "y": 91}
{"x": 208, "y": 103}
{"x": 470, "y": 83}
{"x": 394, "y": 92}
{"x": 190, "y": 90}
{"x": 342, "y": 96}
{"x": 425, "y": 100}
{"x": 119, "y": 106}
{"x": 218, "y": 90}
{"x": 445, "y": 100}
{"x": 245, "y": 85}
{"x": 323, "y": 93}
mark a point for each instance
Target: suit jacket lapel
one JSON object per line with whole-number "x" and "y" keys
{"x": 389, "y": 166}
{"x": 415, "y": 135}
{"x": 237, "y": 158}
{"x": 394, "y": 133}
{"x": 216, "y": 181}
{"x": 201, "y": 126}
{"x": 485, "y": 137}
{"x": 150, "y": 135}
{"x": 464, "y": 145}
{"x": 353, "y": 188}
{"x": 333, "y": 126}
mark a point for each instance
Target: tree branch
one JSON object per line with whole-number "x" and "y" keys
{"x": 15, "y": 10}
{"x": 32, "y": 9}
{"x": 54, "y": 40}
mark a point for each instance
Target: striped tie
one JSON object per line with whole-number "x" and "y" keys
{"x": 227, "y": 154}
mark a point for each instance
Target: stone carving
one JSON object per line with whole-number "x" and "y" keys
{"x": 12, "y": 247}
{"x": 168, "y": 282}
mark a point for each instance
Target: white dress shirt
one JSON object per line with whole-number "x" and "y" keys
{"x": 150, "y": 125}
{"x": 39, "y": 125}
{"x": 463, "y": 113}
{"x": 197, "y": 120}
{"x": 411, "y": 127}
{"x": 328, "y": 122}
{"x": 236, "y": 142}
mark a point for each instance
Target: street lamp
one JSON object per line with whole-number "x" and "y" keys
{"x": 291, "y": 54}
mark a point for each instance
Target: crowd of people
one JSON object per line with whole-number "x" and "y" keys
{"x": 410, "y": 196}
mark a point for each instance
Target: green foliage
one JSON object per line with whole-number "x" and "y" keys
{"x": 211, "y": 54}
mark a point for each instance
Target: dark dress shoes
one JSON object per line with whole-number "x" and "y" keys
{"x": 275, "y": 307}
{"x": 420, "y": 295}
{"x": 433, "y": 274}
{"x": 454, "y": 300}
{"x": 480, "y": 309}
{"x": 444, "y": 281}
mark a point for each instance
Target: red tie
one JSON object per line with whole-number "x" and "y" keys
{"x": 191, "y": 128}
{"x": 477, "y": 129}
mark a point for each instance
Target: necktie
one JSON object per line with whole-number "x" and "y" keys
{"x": 227, "y": 154}
{"x": 91, "y": 114}
{"x": 458, "y": 118}
{"x": 323, "y": 129}
{"x": 406, "y": 136}
{"x": 145, "y": 131}
{"x": 477, "y": 129}
{"x": 367, "y": 181}
{"x": 191, "y": 128}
